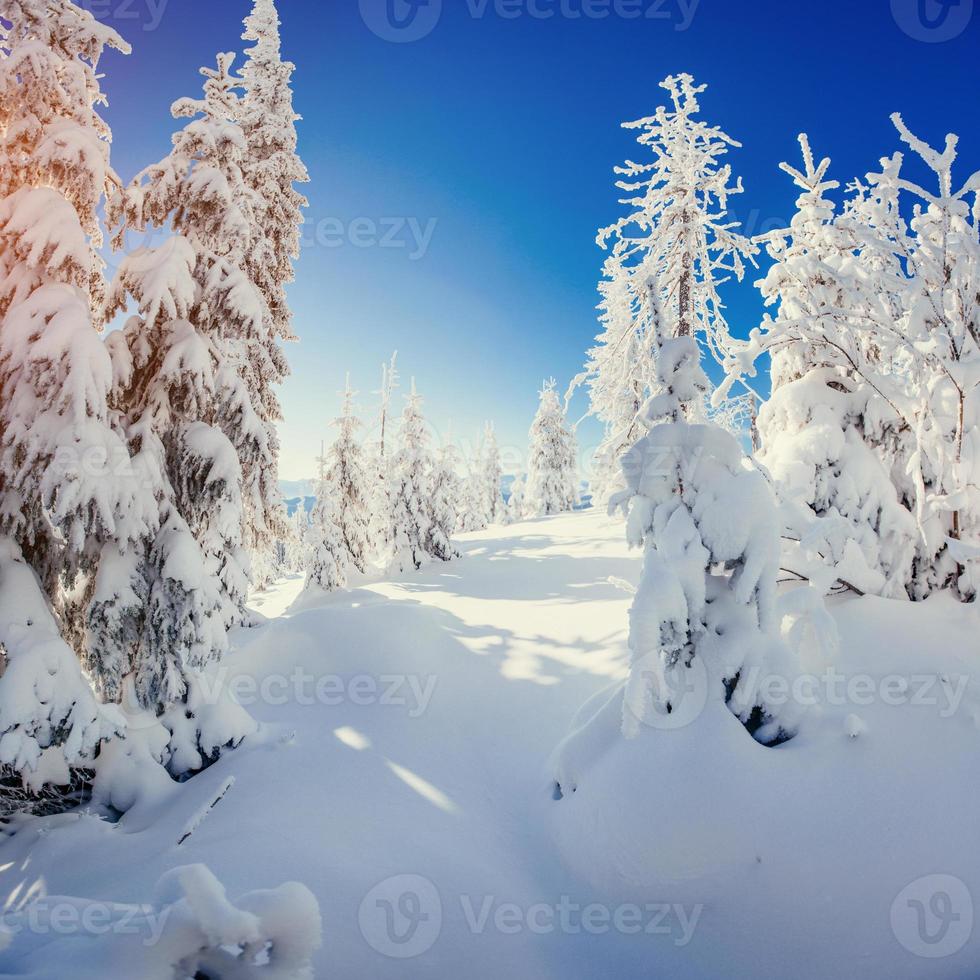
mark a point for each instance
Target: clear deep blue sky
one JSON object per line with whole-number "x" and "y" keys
{"x": 503, "y": 131}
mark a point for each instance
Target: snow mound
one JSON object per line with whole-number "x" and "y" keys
{"x": 805, "y": 846}
{"x": 190, "y": 929}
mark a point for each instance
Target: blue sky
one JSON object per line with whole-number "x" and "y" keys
{"x": 460, "y": 172}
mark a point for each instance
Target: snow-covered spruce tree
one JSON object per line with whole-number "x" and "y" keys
{"x": 516, "y": 503}
{"x": 411, "y": 482}
{"x": 704, "y": 612}
{"x": 443, "y": 501}
{"x": 67, "y": 493}
{"x": 617, "y": 374}
{"x": 675, "y": 234}
{"x": 937, "y": 348}
{"x": 822, "y": 426}
{"x": 552, "y": 481}
{"x": 906, "y": 341}
{"x": 298, "y": 526}
{"x": 348, "y": 475}
{"x": 50, "y": 719}
{"x": 216, "y": 317}
{"x": 162, "y": 599}
{"x": 180, "y": 368}
{"x": 492, "y": 472}
{"x": 271, "y": 168}
{"x": 381, "y": 469}
{"x": 471, "y": 511}
{"x": 327, "y": 558}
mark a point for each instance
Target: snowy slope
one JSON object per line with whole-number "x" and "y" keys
{"x": 414, "y": 794}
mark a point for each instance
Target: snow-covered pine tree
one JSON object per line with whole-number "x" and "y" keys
{"x": 381, "y": 526}
{"x": 516, "y": 503}
{"x": 68, "y": 495}
{"x": 617, "y": 374}
{"x": 492, "y": 473}
{"x": 900, "y": 315}
{"x": 347, "y": 473}
{"x": 937, "y": 341}
{"x": 676, "y": 234}
{"x": 411, "y": 479}
{"x": 471, "y": 509}
{"x": 443, "y": 501}
{"x": 706, "y": 521}
{"x": 271, "y": 169}
{"x": 327, "y": 557}
{"x": 196, "y": 288}
{"x": 50, "y": 719}
{"x": 821, "y": 429}
{"x": 299, "y": 524}
{"x": 552, "y": 480}
{"x": 163, "y": 607}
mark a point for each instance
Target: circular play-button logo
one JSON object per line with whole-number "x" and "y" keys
{"x": 401, "y": 21}
{"x": 401, "y": 917}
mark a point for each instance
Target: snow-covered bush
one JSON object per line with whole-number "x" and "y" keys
{"x": 191, "y": 929}
{"x": 706, "y": 519}
{"x": 552, "y": 480}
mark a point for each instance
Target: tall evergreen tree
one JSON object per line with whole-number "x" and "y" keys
{"x": 443, "y": 501}
{"x": 181, "y": 370}
{"x": 821, "y": 430}
{"x": 327, "y": 557}
{"x": 674, "y": 237}
{"x": 411, "y": 490}
{"x": 552, "y": 481}
{"x": 68, "y": 497}
{"x": 348, "y": 475}
{"x": 492, "y": 474}
{"x": 516, "y": 502}
{"x": 381, "y": 526}
{"x": 271, "y": 169}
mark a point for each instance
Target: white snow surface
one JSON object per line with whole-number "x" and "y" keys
{"x": 420, "y": 785}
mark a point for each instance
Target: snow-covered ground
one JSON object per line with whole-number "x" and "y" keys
{"x": 406, "y": 773}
